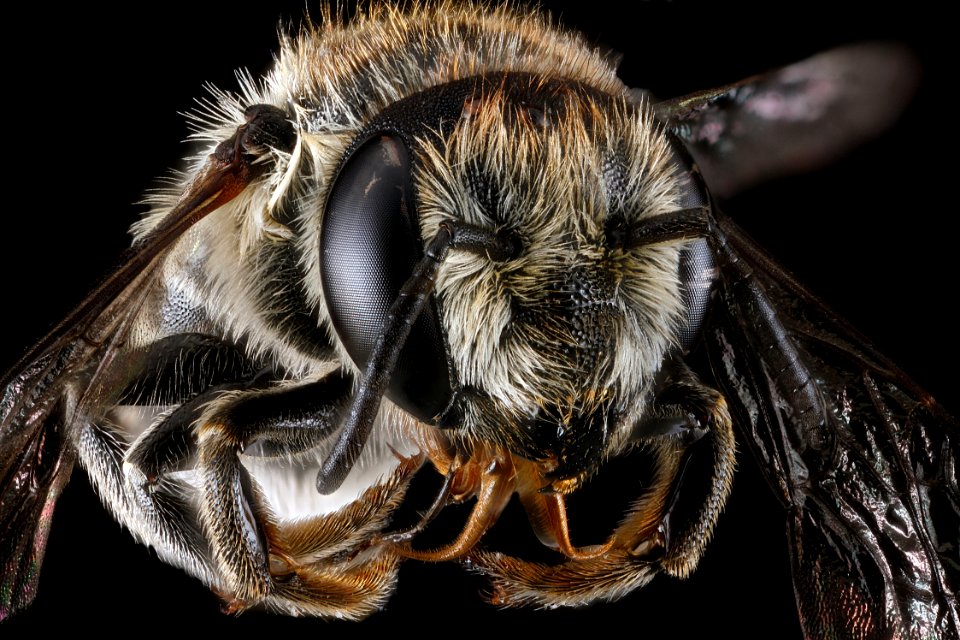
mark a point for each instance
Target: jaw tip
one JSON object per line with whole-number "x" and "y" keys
{"x": 561, "y": 486}
{"x": 547, "y": 490}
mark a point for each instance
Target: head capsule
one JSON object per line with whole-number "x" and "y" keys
{"x": 552, "y": 352}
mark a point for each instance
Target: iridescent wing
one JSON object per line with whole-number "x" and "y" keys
{"x": 75, "y": 369}
{"x": 794, "y": 119}
{"x": 65, "y": 376}
{"x": 863, "y": 460}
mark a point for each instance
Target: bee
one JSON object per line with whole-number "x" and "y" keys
{"x": 718, "y": 534}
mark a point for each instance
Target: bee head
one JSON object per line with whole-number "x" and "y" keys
{"x": 552, "y": 350}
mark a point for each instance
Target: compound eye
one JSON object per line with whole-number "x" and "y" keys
{"x": 369, "y": 244}
{"x": 697, "y": 271}
{"x": 692, "y": 190}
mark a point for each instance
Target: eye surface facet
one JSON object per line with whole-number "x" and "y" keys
{"x": 369, "y": 245}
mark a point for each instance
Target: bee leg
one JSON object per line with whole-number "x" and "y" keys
{"x": 177, "y": 367}
{"x": 337, "y": 573}
{"x": 351, "y": 592}
{"x": 696, "y": 458}
{"x": 188, "y": 370}
{"x": 665, "y": 530}
{"x": 339, "y": 534}
{"x": 279, "y": 420}
{"x": 166, "y": 522}
{"x": 438, "y": 450}
{"x": 172, "y": 369}
{"x": 440, "y": 502}
{"x": 169, "y": 443}
{"x": 167, "y": 446}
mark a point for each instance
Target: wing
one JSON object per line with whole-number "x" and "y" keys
{"x": 864, "y": 461}
{"x": 63, "y": 378}
{"x": 76, "y": 368}
{"x": 35, "y": 463}
{"x": 794, "y": 119}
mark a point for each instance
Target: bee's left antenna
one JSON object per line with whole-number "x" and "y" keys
{"x": 402, "y": 315}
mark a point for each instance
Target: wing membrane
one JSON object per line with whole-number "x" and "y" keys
{"x": 36, "y": 462}
{"x": 61, "y": 379}
{"x": 864, "y": 461}
{"x": 73, "y": 372}
{"x": 793, "y": 119}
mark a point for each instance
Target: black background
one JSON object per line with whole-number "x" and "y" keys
{"x": 92, "y": 118}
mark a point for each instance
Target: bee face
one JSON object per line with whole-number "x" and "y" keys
{"x": 571, "y": 330}
{"x": 804, "y": 198}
